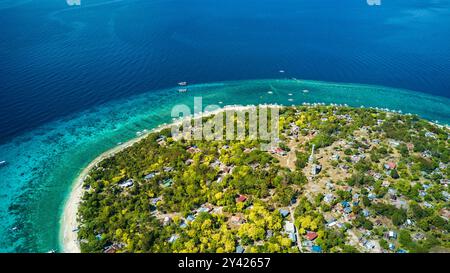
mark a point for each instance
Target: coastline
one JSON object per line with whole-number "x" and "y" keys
{"x": 68, "y": 223}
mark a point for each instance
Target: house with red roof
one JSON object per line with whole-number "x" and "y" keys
{"x": 310, "y": 235}
{"x": 241, "y": 198}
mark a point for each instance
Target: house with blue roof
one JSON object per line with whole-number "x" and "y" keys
{"x": 240, "y": 249}
{"x": 316, "y": 249}
{"x": 284, "y": 212}
{"x": 190, "y": 218}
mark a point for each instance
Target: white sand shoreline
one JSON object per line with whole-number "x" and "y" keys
{"x": 68, "y": 223}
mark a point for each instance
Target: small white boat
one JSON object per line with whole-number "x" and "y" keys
{"x": 281, "y": 71}
{"x": 182, "y": 90}
{"x": 220, "y": 102}
{"x": 3, "y": 163}
{"x": 305, "y": 90}
{"x": 290, "y": 99}
{"x": 182, "y": 83}
{"x": 290, "y": 94}
{"x": 269, "y": 92}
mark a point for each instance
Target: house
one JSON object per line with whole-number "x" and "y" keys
{"x": 430, "y": 135}
{"x": 155, "y": 201}
{"x": 394, "y": 143}
{"x": 348, "y": 210}
{"x": 241, "y": 198}
{"x": 328, "y": 198}
{"x": 316, "y": 249}
{"x": 126, "y": 184}
{"x": 392, "y": 234}
{"x": 445, "y": 213}
{"x": 193, "y": 149}
{"x": 240, "y": 249}
{"x": 329, "y": 185}
{"x": 269, "y": 234}
{"x": 419, "y": 236}
{"x": 167, "y": 182}
{"x": 289, "y": 227}
{"x": 370, "y": 245}
{"x": 293, "y": 237}
{"x": 284, "y": 212}
{"x": 112, "y": 248}
{"x": 390, "y": 166}
{"x": 391, "y": 246}
{"x": 190, "y": 218}
{"x": 335, "y": 157}
{"x": 316, "y": 168}
{"x": 355, "y": 158}
{"x": 173, "y": 238}
{"x": 237, "y": 220}
{"x": 311, "y": 236}
{"x": 375, "y": 175}
{"x": 167, "y": 169}
{"x": 427, "y": 154}
{"x": 167, "y": 220}
{"x": 216, "y": 163}
{"x": 150, "y": 175}
{"x": 366, "y": 212}
{"x": 446, "y": 195}
{"x": 279, "y": 151}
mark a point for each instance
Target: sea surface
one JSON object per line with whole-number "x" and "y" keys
{"x": 77, "y": 80}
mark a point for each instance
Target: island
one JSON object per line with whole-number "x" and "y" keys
{"x": 341, "y": 179}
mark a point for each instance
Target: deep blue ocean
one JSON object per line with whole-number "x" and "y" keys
{"x": 57, "y": 59}
{"x": 77, "y": 80}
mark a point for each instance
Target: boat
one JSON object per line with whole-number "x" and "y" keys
{"x": 182, "y": 90}
{"x": 182, "y": 83}
{"x": 305, "y": 90}
{"x": 3, "y": 163}
{"x": 269, "y": 92}
{"x": 281, "y": 71}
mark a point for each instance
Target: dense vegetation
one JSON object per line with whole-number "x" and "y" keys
{"x": 217, "y": 196}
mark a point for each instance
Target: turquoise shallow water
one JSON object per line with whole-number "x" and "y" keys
{"x": 44, "y": 162}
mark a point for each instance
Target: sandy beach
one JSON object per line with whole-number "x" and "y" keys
{"x": 68, "y": 223}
